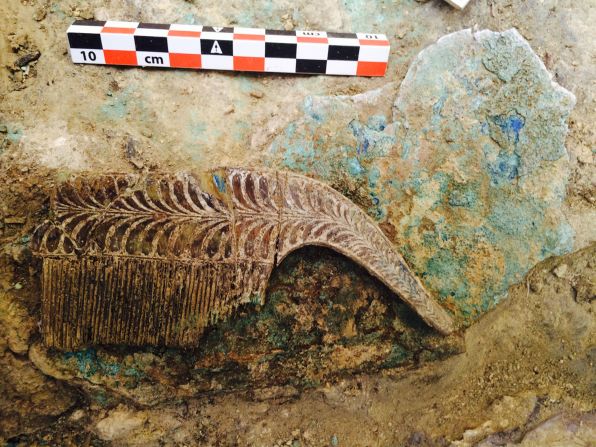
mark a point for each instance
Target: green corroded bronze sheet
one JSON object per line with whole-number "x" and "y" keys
{"x": 157, "y": 258}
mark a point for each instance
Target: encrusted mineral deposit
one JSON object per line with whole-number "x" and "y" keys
{"x": 467, "y": 175}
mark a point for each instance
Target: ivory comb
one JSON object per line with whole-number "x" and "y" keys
{"x": 154, "y": 259}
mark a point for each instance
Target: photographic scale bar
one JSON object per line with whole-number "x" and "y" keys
{"x": 227, "y": 48}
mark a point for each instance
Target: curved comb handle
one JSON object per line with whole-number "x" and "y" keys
{"x": 156, "y": 259}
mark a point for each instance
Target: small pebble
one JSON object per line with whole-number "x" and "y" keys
{"x": 560, "y": 271}
{"x": 137, "y": 163}
{"x": 535, "y": 285}
{"x": 77, "y": 415}
{"x": 40, "y": 14}
{"x": 27, "y": 59}
{"x": 585, "y": 157}
{"x": 257, "y": 94}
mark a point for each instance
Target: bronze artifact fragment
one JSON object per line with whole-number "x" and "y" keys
{"x": 155, "y": 259}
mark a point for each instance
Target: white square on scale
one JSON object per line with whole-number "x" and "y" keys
{"x": 253, "y": 31}
{"x": 280, "y": 39}
{"x": 217, "y": 62}
{"x": 120, "y": 24}
{"x": 308, "y": 50}
{"x": 151, "y": 32}
{"x": 87, "y": 29}
{"x": 348, "y": 68}
{"x": 210, "y": 35}
{"x": 183, "y": 27}
{"x": 343, "y": 41}
{"x": 253, "y": 48}
{"x": 184, "y": 44}
{"x": 373, "y": 53}
{"x": 280, "y": 65}
{"x": 459, "y": 4}
{"x": 113, "y": 41}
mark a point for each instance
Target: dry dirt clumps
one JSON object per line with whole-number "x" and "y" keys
{"x": 526, "y": 376}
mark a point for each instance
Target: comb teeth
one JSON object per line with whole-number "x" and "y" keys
{"x": 155, "y": 260}
{"x": 134, "y": 301}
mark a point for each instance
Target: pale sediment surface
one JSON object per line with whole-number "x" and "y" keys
{"x": 474, "y": 155}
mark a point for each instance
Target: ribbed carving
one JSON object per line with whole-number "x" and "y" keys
{"x": 315, "y": 214}
{"x": 155, "y": 259}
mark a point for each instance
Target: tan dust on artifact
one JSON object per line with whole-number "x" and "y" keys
{"x": 156, "y": 259}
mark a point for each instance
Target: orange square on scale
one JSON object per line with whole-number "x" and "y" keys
{"x": 249, "y": 36}
{"x": 181, "y": 60}
{"x": 249, "y": 63}
{"x": 180, "y": 33}
{"x": 371, "y": 68}
{"x": 115, "y": 30}
{"x": 378, "y": 43}
{"x": 120, "y": 57}
{"x": 305, "y": 39}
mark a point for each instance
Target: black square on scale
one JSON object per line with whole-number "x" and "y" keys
{"x": 277, "y": 49}
{"x": 217, "y": 47}
{"x": 87, "y": 41}
{"x": 311, "y": 66}
{"x": 343, "y": 53}
{"x": 151, "y": 43}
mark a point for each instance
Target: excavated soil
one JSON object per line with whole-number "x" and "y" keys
{"x": 525, "y": 374}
